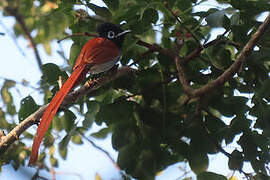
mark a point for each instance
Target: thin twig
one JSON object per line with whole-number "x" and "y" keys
{"x": 141, "y": 56}
{"x": 37, "y": 176}
{"x": 155, "y": 48}
{"x": 101, "y": 149}
{"x": 21, "y": 83}
{"x": 213, "y": 42}
{"x": 54, "y": 173}
{"x": 13, "y": 37}
{"x": 196, "y": 52}
{"x": 19, "y": 18}
{"x": 180, "y": 22}
{"x": 77, "y": 35}
{"x": 154, "y": 86}
{"x": 183, "y": 61}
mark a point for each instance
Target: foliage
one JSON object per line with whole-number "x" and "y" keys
{"x": 153, "y": 122}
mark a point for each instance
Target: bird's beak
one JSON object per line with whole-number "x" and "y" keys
{"x": 123, "y": 33}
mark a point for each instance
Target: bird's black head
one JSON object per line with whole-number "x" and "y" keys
{"x": 112, "y": 32}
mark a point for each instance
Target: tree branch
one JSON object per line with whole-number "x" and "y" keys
{"x": 155, "y": 48}
{"x": 230, "y": 72}
{"x": 77, "y": 35}
{"x": 101, "y": 149}
{"x": 196, "y": 52}
{"x": 241, "y": 58}
{"x": 13, "y": 135}
{"x": 13, "y": 37}
{"x": 19, "y": 18}
{"x": 182, "y": 77}
{"x": 180, "y": 22}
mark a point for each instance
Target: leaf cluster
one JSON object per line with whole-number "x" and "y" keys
{"x": 153, "y": 122}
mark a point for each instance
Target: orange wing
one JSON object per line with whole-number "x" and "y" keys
{"x": 95, "y": 51}
{"x": 98, "y": 51}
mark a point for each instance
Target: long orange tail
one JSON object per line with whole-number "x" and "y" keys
{"x": 54, "y": 105}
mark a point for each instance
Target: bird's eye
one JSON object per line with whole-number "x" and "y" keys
{"x": 111, "y": 34}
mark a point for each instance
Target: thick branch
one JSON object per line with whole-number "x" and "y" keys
{"x": 182, "y": 77}
{"x": 13, "y": 135}
{"x": 230, "y": 72}
{"x": 241, "y": 58}
{"x": 20, "y": 20}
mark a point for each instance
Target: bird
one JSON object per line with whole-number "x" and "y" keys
{"x": 98, "y": 55}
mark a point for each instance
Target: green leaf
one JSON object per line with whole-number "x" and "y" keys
{"x": 200, "y": 142}
{"x": 9, "y": 83}
{"x": 119, "y": 139}
{"x": 231, "y": 105}
{"x": 210, "y": 176}
{"x": 74, "y": 52}
{"x": 112, "y": 4}
{"x": 101, "y": 134}
{"x": 6, "y": 95}
{"x": 11, "y": 109}
{"x": 117, "y": 112}
{"x": 261, "y": 176}
{"x": 106, "y": 97}
{"x": 63, "y": 153}
{"x": 216, "y": 19}
{"x": 48, "y": 48}
{"x": 64, "y": 142}
{"x": 126, "y": 158}
{"x": 258, "y": 166}
{"x": 53, "y": 161}
{"x": 68, "y": 120}
{"x": 236, "y": 160}
{"x": 51, "y": 73}
{"x": 219, "y": 57}
{"x": 57, "y": 123}
{"x": 226, "y": 23}
{"x": 216, "y": 127}
{"x": 249, "y": 146}
{"x": 180, "y": 147}
{"x": 100, "y": 11}
{"x": 93, "y": 108}
{"x": 89, "y": 120}
{"x": 235, "y": 18}
{"x": 125, "y": 82}
{"x": 76, "y": 139}
{"x": 198, "y": 161}
{"x": 184, "y": 5}
{"x": 149, "y": 16}
{"x": 264, "y": 92}
{"x": 28, "y": 106}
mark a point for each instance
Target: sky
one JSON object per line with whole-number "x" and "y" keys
{"x": 18, "y": 63}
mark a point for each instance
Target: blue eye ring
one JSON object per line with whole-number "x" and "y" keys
{"x": 111, "y": 35}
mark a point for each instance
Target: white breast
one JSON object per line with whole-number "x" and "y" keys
{"x": 99, "y": 68}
